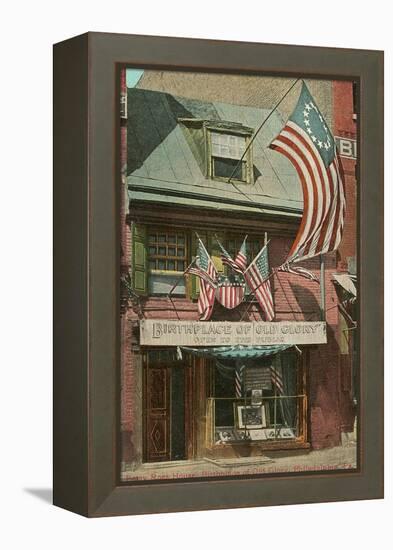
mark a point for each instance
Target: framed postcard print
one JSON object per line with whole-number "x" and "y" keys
{"x": 218, "y": 274}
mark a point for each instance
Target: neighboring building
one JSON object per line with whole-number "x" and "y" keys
{"x": 252, "y": 91}
{"x": 177, "y": 156}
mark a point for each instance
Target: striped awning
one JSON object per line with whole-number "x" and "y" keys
{"x": 237, "y": 352}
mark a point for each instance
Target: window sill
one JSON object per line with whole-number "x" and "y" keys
{"x": 225, "y": 180}
{"x": 227, "y": 448}
{"x": 166, "y": 272}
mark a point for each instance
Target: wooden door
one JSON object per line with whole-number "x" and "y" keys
{"x": 157, "y": 414}
{"x": 174, "y": 407}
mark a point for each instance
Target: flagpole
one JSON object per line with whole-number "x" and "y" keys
{"x": 180, "y": 278}
{"x": 322, "y": 283}
{"x": 259, "y": 129}
{"x": 259, "y": 253}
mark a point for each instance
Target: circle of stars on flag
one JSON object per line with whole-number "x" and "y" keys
{"x": 308, "y": 107}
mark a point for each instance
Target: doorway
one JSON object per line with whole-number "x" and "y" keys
{"x": 166, "y": 408}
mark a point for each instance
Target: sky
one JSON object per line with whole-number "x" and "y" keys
{"x": 133, "y": 76}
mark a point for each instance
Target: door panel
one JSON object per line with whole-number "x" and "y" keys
{"x": 157, "y": 420}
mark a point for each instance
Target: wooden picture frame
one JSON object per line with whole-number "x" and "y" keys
{"x": 86, "y": 274}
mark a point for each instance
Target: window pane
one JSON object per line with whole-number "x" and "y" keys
{"x": 253, "y": 246}
{"x": 165, "y": 248}
{"x": 227, "y": 145}
{"x": 224, "y": 413}
{"x": 224, "y": 168}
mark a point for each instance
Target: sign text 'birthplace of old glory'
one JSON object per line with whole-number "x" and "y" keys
{"x": 154, "y": 332}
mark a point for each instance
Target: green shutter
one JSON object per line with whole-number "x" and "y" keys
{"x": 139, "y": 259}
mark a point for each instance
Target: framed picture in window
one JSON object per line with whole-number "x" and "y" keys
{"x": 251, "y": 417}
{"x": 218, "y": 274}
{"x": 256, "y": 396}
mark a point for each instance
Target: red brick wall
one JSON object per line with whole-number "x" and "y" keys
{"x": 344, "y": 126}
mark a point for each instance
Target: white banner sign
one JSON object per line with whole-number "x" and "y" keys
{"x": 154, "y": 332}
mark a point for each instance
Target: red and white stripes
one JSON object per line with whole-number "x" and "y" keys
{"x": 323, "y": 192}
{"x": 230, "y": 295}
{"x": 257, "y": 277}
{"x": 207, "y": 294}
{"x": 262, "y": 291}
{"x": 276, "y": 377}
{"x": 241, "y": 261}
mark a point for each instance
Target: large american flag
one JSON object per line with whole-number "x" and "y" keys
{"x": 207, "y": 290}
{"x": 257, "y": 278}
{"x": 309, "y": 145}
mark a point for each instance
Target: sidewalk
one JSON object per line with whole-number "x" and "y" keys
{"x": 337, "y": 458}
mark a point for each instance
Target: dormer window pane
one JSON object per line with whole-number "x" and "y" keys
{"x": 227, "y": 145}
{"x": 225, "y": 168}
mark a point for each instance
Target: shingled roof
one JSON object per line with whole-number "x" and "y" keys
{"x": 165, "y": 157}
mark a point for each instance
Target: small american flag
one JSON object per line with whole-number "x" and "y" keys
{"x": 230, "y": 293}
{"x": 207, "y": 289}
{"x": 309, "y": 145}
{"x": 257, "y": 278}
{"x": 195, "y": 270}
{"x": 239, "y": 264}
{"x": 297, "y": 270}
{"x": 241, "y": 258}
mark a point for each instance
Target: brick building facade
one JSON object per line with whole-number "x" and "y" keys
{"x": 167, "y": 198}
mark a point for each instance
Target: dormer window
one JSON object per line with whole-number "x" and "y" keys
{"x": 222, "y": 149}
{"x": 229, "y": 155}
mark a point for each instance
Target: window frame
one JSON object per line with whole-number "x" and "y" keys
{"x": 238, "y": 239}
{"x": 247, "y": 161}
{"x": 185, "y": 258}
{"x": 300, "y": 441}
